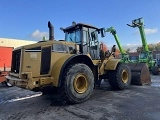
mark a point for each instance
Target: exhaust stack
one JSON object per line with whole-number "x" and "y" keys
{"x": 51, "y": 31}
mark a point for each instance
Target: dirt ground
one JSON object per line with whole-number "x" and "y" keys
{"x": 135, "y": 103}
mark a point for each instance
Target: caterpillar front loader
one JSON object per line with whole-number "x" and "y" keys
{"x": 146, "y": 56}
{"x": 72, "y": 66}
{"x": 140, "y": 71}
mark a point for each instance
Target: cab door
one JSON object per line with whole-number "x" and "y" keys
{"x": 93, "y": 44}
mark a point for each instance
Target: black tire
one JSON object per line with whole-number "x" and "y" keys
{"x": 49, "y": 90}
{"x": 71, "y": 91}
{"x": 155, "y": 70}
{"x": 115, "y": 77}
{"x": 8, "y": 84}
{"x": 44, "y": 92}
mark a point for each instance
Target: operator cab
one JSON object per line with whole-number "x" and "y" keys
{"x": 86, "y": 36}
{"x": 144, "y": 56}
{"x": 124, "y": 57}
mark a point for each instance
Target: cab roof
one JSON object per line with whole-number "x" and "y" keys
{"x": 81, "y": 24}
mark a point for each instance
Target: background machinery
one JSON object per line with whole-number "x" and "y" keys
{"x": 145, "y": 56}
{"x": 156, "y": 68}
{"x": 5, "y": 63}
{"x": 71, "y": 66}
{"x": 140, "y": 71}
{"x": 124, "y": 56}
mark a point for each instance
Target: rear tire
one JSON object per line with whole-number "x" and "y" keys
{"x": 120, "y": 78}
{"x": 155, "y": 70}
{"x": 77, "y": 84}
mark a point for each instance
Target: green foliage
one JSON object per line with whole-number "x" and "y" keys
{"x": 151, "y": 47}
{"x": 157, "y": 47}
{"x": 139, "y": 49}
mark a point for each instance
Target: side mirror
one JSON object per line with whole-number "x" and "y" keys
{"x": 62, "y": 29}
{"x": 102, "y": 31}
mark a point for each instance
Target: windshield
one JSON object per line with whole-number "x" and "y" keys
{"x": 133, "y": 57}
{"x": 143, "y": 56}
{"x": 73, "y": 36}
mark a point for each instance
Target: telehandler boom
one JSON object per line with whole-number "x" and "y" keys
{"x": 146, "y": 56}
{"x": 124, "y": 55}
{"x": 140, "y": 71}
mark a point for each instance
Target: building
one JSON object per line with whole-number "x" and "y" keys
{"x": 6, "y": 47}
{"x": 135, "y": 55}
{"x": 7, "y": 42}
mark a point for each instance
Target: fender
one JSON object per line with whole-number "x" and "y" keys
{"x": 56, "y": 69}
{"x": 61, "y": 65}
{"x": 111, "y": 64}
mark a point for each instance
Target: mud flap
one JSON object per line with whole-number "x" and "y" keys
{"x": 140, "y": 73}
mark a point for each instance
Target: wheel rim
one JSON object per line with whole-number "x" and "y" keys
{"x": 80, "y": 83}
{"x": 124, "y": 76}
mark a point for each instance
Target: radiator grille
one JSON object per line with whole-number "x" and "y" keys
{"x": 16, "y": 57}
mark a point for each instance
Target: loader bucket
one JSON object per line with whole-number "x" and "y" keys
{"x": 140, "y": 73}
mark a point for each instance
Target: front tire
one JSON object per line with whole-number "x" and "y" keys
{"x": 154, "y": 70}
{"x": 77, "y": 84}
{"x": 120, "y": 78}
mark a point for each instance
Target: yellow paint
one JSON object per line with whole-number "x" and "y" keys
{"x": 96, "y": 62}
{"x": 124, "y": 76}
{"x": 31, "y": 63}
{"x": 102, "y": 67}
{"x": 111, "y": 64}
{"x": 57, "y": 68}
{"x": 81, "y": 83}
{"x": 45, "y": 81}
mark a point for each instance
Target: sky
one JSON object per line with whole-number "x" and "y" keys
{"x": 27, "y": 20}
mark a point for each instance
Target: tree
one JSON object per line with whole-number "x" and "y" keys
{"x": 128, "y": 50}
{"x": 151, "y": 47}
{"x": 157, "y": 47}
{"x": 117, "y": 52}
{"x": 103, "y": 47}
{"x": 139, "y": 49}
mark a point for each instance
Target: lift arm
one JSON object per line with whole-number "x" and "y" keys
{"x": 113, "y": 31}
{"x": 140, "y": 24}
{"x": 125, "y": 56}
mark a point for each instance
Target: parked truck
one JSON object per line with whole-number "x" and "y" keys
{"x": 5, "y": 63}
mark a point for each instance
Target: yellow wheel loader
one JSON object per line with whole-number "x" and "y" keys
{"x": 72, "y": 66}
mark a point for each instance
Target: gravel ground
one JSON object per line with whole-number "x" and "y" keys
{"x": 135, "y": 103}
